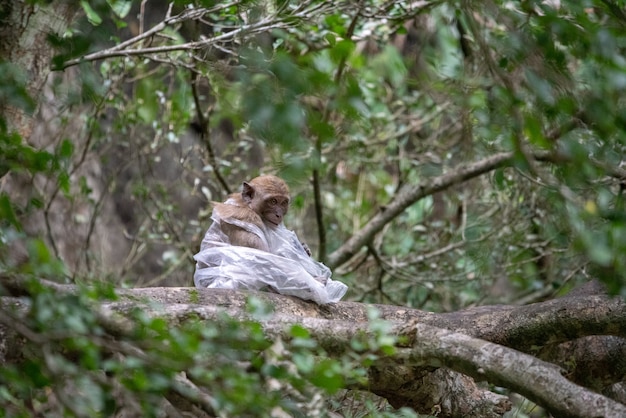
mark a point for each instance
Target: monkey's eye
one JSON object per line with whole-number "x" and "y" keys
{"x": 273, "y": 201}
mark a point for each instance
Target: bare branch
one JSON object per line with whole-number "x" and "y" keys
{"x": 203, "y": 123}
{"x": 123, "y": 49}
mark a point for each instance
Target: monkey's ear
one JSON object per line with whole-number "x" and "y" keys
{"x": 247, "y": 194}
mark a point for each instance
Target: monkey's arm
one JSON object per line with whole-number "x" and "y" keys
{"x": 240, "y": 224}
{"x": 241, "y": 237}
{"x": 306, "y": 248}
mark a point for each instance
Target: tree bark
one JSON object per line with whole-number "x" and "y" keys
{"x": 24, "y": 30}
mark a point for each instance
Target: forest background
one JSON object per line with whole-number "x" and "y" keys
{"x": 442, "y": 156}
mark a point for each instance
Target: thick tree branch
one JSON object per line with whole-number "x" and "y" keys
{"x": 585, "y": 313}
{"x": 537, "y": 380}
{"x": 24, "y": 30}
{"x": 457, "y": 341}
{"x": 427, "y": 345}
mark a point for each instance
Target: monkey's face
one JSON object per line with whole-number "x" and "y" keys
{"x": 273, "y": 210}
{"x": 268, "y": 196}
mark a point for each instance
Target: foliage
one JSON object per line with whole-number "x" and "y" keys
{"x": 368, "y": 100}
{"x": 351, "y": 102}
{"x": 81, "y": 364}
{"x": 374, "y": 104}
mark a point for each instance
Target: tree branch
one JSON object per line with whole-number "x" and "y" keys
{"x": 264, "y": 25}
{"x": 541, "y": 382}
{"x": 409, "y": 195}
{"x": 429, "y": 341}
{"x": 205, "y": 135}
{"x": 431, "y": 346}
{"x": 412, "y": 193}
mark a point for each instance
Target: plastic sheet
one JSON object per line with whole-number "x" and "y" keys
{"x": 287, "y": 269}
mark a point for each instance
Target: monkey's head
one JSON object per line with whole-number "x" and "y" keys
{"x": 269, "y": 197}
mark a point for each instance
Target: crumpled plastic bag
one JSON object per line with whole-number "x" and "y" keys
{"x": 287, "y": 269}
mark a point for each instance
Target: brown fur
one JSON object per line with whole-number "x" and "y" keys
{"x": 264, "y": 201}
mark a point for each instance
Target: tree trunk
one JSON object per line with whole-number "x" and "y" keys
{"x": 24, "y": 30}
{"x": 85, "y": 228}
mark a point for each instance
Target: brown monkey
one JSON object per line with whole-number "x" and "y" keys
{"x": 263, "y": 202}
{"x": 254, "y": 219}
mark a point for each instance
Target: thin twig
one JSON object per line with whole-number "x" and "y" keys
{"x": 120, "y": 50}
{"x": 203, "y": 122}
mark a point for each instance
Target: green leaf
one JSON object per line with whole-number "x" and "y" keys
{"x": 533, "y": 130}
{"x": 304, "y": 362}
{"x": 342, "y": 50}
{"x": 64, "y": 182}
{"x": 336, "y": 23}
{"x": 33, "y": 370}
{"x": 66, "y": 149}
{"x": 499, "y": 178}
{"x": 298, "y": 331}
{"x": 147, "y": 101}
{"x": 328, "y": 375}
{"x": 331, "y": 39}
{"x": 120, "y": 7}
{"x": 6, "y": 212}
{"x": 92, "y": 16}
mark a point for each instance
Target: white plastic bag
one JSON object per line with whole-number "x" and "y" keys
{"x": 287, "y": 269}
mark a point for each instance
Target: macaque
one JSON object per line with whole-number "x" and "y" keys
{"x": 263, "y": 201}
{"x": 254, "y": 219}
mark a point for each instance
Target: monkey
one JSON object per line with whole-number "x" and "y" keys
{"x": 263, "y": 202}
{"x": 253, "y": 218}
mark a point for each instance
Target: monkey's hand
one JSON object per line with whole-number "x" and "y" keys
{"x": 306, "y": 248}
